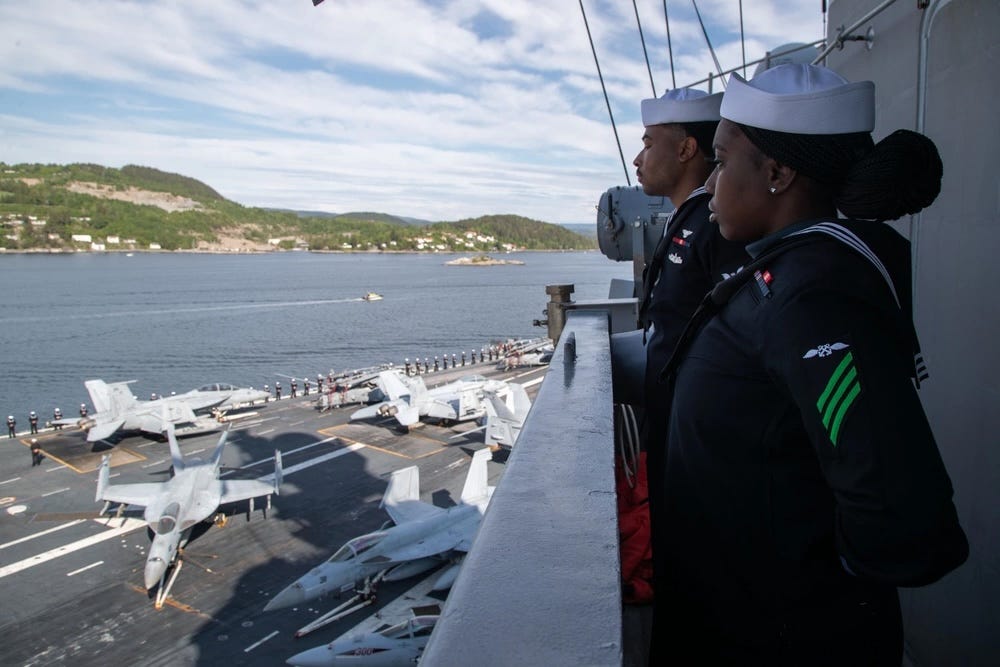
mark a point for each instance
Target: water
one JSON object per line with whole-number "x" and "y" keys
{"x": 173, "y": 322}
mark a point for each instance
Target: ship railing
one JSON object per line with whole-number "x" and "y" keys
{"x": 541, "y": 584}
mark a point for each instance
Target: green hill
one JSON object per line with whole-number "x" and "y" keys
{"x": 44, "y": 206}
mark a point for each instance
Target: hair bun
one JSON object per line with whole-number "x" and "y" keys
{"x": 900, "y": 176}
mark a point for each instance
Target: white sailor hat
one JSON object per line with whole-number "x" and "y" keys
{"x": 681, "y": 105}
{"x": 800, "y": 99}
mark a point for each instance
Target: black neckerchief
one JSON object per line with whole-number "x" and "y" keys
{"x": 652, "y": 271}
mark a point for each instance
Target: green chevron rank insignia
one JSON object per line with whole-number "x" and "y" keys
{"x": 841, "y": 391}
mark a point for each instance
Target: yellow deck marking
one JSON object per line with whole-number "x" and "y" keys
{"x": 173, "y": 603}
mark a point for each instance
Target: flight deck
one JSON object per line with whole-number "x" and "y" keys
{"x": 72, "y": 581}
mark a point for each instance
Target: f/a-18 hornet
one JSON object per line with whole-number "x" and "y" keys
{"x": 399, "y": 644}
{"x": 116, "y": 408}
{"x": 175, "y": 506}
{"x": 410, "y": 399}
{"x": 424, "y": 536}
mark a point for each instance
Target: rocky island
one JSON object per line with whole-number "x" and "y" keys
{"x": 481, "y": 260}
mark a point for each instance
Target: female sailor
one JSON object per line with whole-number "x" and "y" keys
{"x": 802, "y": 481}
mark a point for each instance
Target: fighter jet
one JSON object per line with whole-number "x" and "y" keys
{"x": 409, "y": 398}
{"x": 424, "y": 536}
{"x": 175, "y": 506}
{"x": 116, "y": 408}
{"x": 400, "y": 644}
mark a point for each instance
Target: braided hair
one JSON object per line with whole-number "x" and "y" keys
{"x": 900, "y": 175}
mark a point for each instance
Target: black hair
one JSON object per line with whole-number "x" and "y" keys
{"x": 704, "y": 133}
{"x": 898, "y": 176}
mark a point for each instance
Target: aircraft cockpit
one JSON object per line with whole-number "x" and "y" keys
{"x": 418, "y": 626}
{"x": 168, "y": 519}
{"x": 218, "y": 386}
{"x": 357, "y": 546}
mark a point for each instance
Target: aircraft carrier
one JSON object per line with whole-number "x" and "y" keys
{"x": 72, "y": 582}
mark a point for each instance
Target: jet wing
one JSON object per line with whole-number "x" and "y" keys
{"x": 157, "y": 420}
{"x": 408, "y": 416}
{"x": 455, "y": 536}
{"x": 431, "y": 546}
{"x": 102, "y": 431}
{"x": 367, "y": 413}
{"x": 412, "y": 510}
{"x": 236, "y": 490}
{"x": 438, "y": 409}
{"x": 141, "y": 494}
{"x": 199, "y": 400}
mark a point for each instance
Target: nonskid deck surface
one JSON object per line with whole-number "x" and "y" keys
{"x": 72, "y": 582}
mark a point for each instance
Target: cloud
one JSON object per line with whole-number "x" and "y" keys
{"x": 438, "y": 109}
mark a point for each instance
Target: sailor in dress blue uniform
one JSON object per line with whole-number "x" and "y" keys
{"x": 803, "y": 483}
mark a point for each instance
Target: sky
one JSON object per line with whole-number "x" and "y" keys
{"x": 431, "y": 109}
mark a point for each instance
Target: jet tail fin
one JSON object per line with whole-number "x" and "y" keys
{"x": 217, "y": 453}
{"x": 504, "y": 419}
{"x": 404, "y": 486}
{"x": 392, "y": 386}
{"x": 113, "y": 398}
{"x": 518, "y": 402}
{"x": 477, "y": 489}
{"x": 175, "y": 450}
{"x": 277, "y": 471}
{"x": 103, "y": 477}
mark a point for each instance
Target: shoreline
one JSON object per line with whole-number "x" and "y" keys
{"x": 223, "y": 251}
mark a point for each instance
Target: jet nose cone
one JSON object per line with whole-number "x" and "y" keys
{"x": 155, "y": 567}
{"x": 290, "y": 597}
{"x": 314, "y": 657}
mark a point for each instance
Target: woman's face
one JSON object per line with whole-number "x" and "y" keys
{"x": 741, "y": 200}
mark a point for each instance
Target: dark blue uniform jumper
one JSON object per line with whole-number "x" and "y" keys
{"x": 802, "y": 481}
{"x": 689, "y": 260}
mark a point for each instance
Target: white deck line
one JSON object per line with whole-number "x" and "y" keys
{"x": 130, "y": 525}
{"x": 85, "y": 568}
{"x": 40, "y": 533}
{"x": 258, "y": 643}
{"x": 312, "y": 462}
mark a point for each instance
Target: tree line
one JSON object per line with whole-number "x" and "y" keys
{"x": 39, "y": 210}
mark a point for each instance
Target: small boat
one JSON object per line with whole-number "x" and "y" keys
{"x": 372, "y": 296}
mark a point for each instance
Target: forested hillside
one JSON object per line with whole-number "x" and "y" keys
{"x": 90, "y": 207}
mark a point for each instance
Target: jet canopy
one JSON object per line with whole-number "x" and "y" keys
{"x": 168, "y": 519}
{"x": 418, "y": 626}
{"x": 218, "y": 386}
{"x": 357, "y": 546}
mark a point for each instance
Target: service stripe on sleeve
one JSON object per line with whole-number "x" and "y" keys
{"x": 841, "y": 390}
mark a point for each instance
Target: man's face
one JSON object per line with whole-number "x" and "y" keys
{"x": 741, "y": 201}
{"x": 657, "y": 166}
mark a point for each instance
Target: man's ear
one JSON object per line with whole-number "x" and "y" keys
{"x": 688, "y": 149}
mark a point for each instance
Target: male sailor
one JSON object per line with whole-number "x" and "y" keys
{"x": 689, "y": 260}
